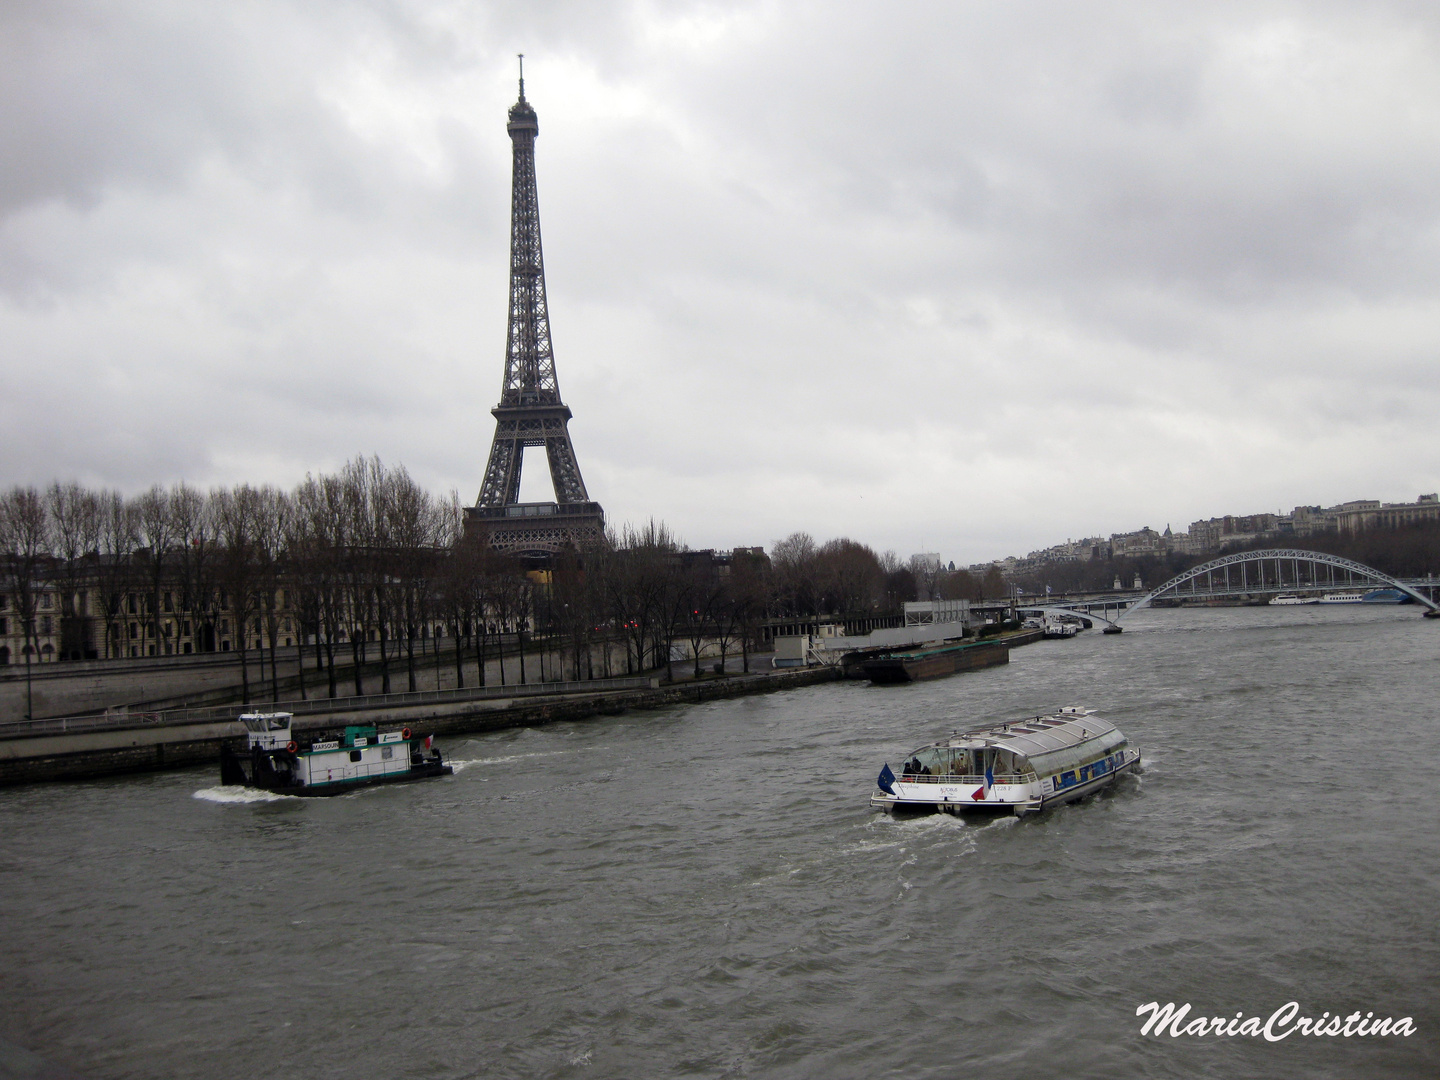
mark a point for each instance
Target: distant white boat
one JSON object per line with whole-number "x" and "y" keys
{"x": 1285, "y": 599}
{"x": 1343, "y": 598}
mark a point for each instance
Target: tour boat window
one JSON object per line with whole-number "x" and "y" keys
{"x": 926, "y": 762}
{"x": 354, "y": 755}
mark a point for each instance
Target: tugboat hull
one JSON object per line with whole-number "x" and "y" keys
{"x": 359, "y": 757}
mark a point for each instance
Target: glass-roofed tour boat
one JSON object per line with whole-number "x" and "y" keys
{"x": 1020, "y": 766}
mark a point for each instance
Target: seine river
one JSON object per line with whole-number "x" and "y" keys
{"x": 704, "y": 891}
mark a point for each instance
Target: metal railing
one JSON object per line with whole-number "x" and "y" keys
{"x": 112, "y": 721}
{"x": 956, "y": 778}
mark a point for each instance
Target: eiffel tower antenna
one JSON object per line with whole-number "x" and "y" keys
{"x": 531, "y": 412}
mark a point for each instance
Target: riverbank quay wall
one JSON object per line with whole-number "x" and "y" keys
{"x": 161, "y": 683}
{"x": 83, "y": 755}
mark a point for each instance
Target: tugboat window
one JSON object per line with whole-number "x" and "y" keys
{"x": 354, "y": 755}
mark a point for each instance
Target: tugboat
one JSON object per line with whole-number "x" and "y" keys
{"x": 1017, "y": 767}
{"x": 330, "y": 763}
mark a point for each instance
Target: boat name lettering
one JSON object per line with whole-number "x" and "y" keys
{"x": 330, "y": 744}
{"x": 1283, "y": 1022}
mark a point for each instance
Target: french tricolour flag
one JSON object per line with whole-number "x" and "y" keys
{"x": 983, "y": 791}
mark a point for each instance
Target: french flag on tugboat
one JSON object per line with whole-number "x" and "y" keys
{"x": 983, "y": 791}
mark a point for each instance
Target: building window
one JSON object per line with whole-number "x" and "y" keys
{"x": 131, "y": 600}
{"x": 4, "y": 626}
{"x": 134, "y": 631}
{"x": 45, "y": 601}
{"x": 169, "y": 601}
{"x": 47, "y": 625}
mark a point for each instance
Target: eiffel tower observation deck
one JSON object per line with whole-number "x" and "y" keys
{"x": 531, "y": 412}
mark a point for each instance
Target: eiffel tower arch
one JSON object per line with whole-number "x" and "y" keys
{"x": 531, "y": 412}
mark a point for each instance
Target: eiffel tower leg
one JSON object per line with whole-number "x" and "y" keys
{"x": 564, "y": 470}
{"x": 502, "y": 473}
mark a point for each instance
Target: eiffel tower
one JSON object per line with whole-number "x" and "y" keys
{"x": 530, "y": 412}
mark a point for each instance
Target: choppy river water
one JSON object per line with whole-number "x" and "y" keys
{"x": 704, "y": 891}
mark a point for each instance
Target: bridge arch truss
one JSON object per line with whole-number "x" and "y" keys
{"x": 1250, "y": 572}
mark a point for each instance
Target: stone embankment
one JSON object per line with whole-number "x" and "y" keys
{"x": 83, "y": 754}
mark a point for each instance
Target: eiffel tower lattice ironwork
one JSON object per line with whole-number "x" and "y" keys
{"x": 531, "y": 412}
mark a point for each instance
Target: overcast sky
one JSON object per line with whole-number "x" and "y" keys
{"x": 969, "y": 278}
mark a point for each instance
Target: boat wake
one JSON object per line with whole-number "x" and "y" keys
{"x": 239, "y": 794}
{"x": 459, "y": 764}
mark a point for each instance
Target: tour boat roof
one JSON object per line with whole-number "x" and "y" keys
{"x": 1037, "y": 735}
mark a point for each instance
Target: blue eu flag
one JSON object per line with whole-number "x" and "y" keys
{"x": 886, "y": 779}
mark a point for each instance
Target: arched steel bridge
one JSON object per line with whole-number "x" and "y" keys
{"x": 1250, "y": 573}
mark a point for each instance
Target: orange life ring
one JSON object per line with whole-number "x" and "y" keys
{"x": 292, "y": 746}
{"x": 405, "y": 734}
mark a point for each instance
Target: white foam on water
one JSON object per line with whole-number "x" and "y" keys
{"x": 238, "y": 794}
{"x": 465, "y": 763}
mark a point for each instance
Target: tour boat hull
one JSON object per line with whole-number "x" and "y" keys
{"x": 1002, "y": 798}
{"x": 1019, "y": 767}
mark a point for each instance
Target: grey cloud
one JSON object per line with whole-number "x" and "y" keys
{"x": 853, "y": 268}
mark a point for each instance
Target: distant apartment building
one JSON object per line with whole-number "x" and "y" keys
{"x": 1354, "y": 517}
{"x": 44, "y": 642}
{"x": 1212, "y": 535}
{"x": 1137, "y": 544}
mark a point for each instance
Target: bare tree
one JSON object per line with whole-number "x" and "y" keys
{"x": 236, "y": 516}
{"x": 321, "y": 520}
{"x": 273, "y": 511}
{"x": 74, "y": 518}
{"x": 411, "y": 528}
{"x": 24, "y": 545}
{"x": 850, "y": 576}
{"x": 153, "y": 519}
{"x": 192, "y": 524}
{"x": 114, "y": 570}
{"x": 796, "y": 574}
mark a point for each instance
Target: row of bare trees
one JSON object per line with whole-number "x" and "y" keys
{"x": 365, "y": 574}
{"x": 344, "y": 558}
{"x": 363, "y": 562}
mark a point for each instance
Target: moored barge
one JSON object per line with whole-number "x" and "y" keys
{"x": 328, "y": 763}
{"x": 1017, "y": 767}
{"x": 936, "y": 661}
